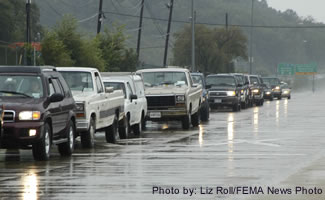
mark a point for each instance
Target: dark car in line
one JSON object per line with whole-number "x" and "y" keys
{"x": 224, "y": 91}
{"x": 275, "y": 84}
{"x": 257, "y": 89}
{"x": 244, "y": 90}
{"x": 268, "y": 93}
{"x": 198, "y": 78}
{"x": 38, "y": 110}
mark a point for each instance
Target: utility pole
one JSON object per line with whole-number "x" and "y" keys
{"x": 28, "y": 35}
{"x": 193, "y": 36}
{"x": 170, "y": 6}
{"x": 226, "y": 22}
{"x": 100, "y": 16}
{"x": 251, "y": 59}
{"x": 140, "y": 30}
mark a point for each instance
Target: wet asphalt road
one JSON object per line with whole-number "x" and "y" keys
{"x": 278, "y": 145}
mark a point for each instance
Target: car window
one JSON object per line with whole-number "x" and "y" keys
{"x": 254, "y": 79}
{"x": 51, "y": 89}
{"x": 78, "y": 81}
{"x": 129, "y": 88}
{"x": 99, "y": 85}
{"x": 21, "y": 85}
{"x": 152, "y": 79}
{"x": 116, "y": 86}
{"x": 140, "y": 88}
{"x": 57, "y": 86}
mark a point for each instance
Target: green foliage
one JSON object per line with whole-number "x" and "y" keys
{"x": 116, "y": 55}
{"x": 215, "y": 48}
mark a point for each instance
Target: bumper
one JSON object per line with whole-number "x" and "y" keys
{"x": 223, "y": 101}
{"x": 82, "y": 125}
{"x": 16, "y": 134}
{"x": 268, "y": 96}
{"x": 277, "y": 93}
{"x": 286, "y": 94}
{"x": 163, "y": 115}
{"x": 258, "y": 97}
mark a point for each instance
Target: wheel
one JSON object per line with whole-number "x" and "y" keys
{"x": 186, "y": 121}
{"x": 144, "y": 123}
{"x": 111, "y": 134}
{"x": 235, "y": 108}
{"x": 88, "y": 137}
{"x": 205, "y": 112}
{"x": 271, "y": 99}
{"x": 195, "y": 119}
{"x": 137, "y": 128}
{"x": 42, "y": 149}
{"x": 289, "y": 97}
{"x": 67, "y": 148}
{"x": 124, "y": 128}
{"x": 279, "y": 98}
{"x": 262, "y": 102}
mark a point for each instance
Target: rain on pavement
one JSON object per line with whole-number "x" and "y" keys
{"x": 278, "y": 144}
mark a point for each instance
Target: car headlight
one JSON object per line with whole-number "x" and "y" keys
{"x": 241, "y": 91}
{"x": 180, "y": 99}
{"x": 231, "y": 93}
{"x": 30, "y": 115}
{"x": 286, "y": 92}
{"x": 277, "y": 87}
{"x": 268, "y": 92}
{"x": 80, "y": 107}
{"x": 256, "y": 91}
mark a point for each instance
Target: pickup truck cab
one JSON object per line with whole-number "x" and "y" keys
{"x": 98, "y": 108}
{"x": 135, "y": 102}
{"x": 172, "y": 95}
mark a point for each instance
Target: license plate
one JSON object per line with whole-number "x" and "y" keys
{"x": 217, "y": 100}
{"x": 155, "y": 114}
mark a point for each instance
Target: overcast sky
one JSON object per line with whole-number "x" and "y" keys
{"x": 314, "y": 8}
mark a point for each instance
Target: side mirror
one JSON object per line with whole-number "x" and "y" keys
{"x": 239, "y": 85}
{"x": 109, "y": 89}
{"x": 56, "y": 97}
{"x": 195, "y": 85}
{"x": 255, "y": 83}
{"x": 133, "y": 96}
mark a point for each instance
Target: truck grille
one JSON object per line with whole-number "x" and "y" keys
{"x": 9, "y": 116}
{"x": 218, "y": 94}
{"x": 156, "y": 101}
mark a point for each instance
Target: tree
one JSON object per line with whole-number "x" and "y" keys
{"x": 215, "y": 49}
{"x": 114, "y": 51}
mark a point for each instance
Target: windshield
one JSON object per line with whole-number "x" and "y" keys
{"x": 271, "y": 81}
{"x": 240, "y": 79}
{"x": 221, "y": 81}
{"x": 254, "y": 79}
{"x": 23, "y": 86}
{"x": 197, "y": 79}
{"x": 116, "y": 86}
{"x": 152, "y": 79}
{"x": 78, "y": 81}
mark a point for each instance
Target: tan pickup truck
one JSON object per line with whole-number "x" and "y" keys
{"x": 172, "y": 95}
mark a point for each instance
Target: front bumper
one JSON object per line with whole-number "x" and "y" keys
{"x": 286, "y": 94}
{"x": 165, "y": 115}
{"x": 16, "y": 134}
{"x": 223, "y": 101}
{"x": 82, "y": 125}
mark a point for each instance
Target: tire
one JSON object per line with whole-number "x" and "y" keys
{"x": 111, "y": 134}
{"x": 195, "y": 119}
{"x": 137, "y": 128}
{"x": 289, "y": 97}
{"x": 235, "y": 108}
{"x": 88, "y": 137}
{"x": 205, "y": 112}
{"x": 124, "y": 128}
{"x": 186, "y": 121}
{"x": 144, "y": 123}
{"x": 67, "y": 148}
{"x": 42, "y": 149}
{"x": 271, "y": 99}
{"x": 279, "y": 98}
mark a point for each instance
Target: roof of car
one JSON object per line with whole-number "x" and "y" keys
{"x": 220, "y": 75}
{"x": 26, "y": 69}
{"x": 197, "y": 73}
{"x": 77, "y": 69}
{"x": 122, "y": 77}
{"x": 163, "y": 70}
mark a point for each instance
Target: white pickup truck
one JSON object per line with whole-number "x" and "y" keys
{"x": 172, "y": 95}
{"x": 98, "y": 108}
{"x": 135, "y": 107}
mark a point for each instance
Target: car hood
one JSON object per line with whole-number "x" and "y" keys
{"x": 166, "y": 90}
{"x": 21, "y": 103}
{"x": 82, "y": 96}
{"x": 222, "y": 88}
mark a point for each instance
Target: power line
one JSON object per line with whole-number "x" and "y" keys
{"x": 88, "y": 18}
{"x": 53, "y": 9}
{"x": 222, "y": 24}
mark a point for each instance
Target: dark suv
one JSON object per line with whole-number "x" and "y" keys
{"x": 257, "y": 89}
{"x": 224, "y": 91}
{"x": 244, "y": 92}
{"x": 275, "y": 84}
{"x": 38, "y": 110}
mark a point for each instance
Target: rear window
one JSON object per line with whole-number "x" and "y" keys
{"x": 116, "y": 86}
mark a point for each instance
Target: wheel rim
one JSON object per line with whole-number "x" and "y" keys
{"x": 47, "y": 141}
{"x": 71, "y": 137}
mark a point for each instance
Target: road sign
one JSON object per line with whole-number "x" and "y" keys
{"x": 297, "y": 69}
{"x": 286, "y": 69}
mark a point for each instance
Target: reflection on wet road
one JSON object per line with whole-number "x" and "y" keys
{"x": 260, "y": 146}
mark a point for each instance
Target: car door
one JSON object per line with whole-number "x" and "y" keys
{"x": 59, "y": 117}
{"x": 132, "y": 105}
{"x": 102, "y": 103}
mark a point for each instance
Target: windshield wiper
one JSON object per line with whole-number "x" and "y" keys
{"x": 18, "y": 93}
